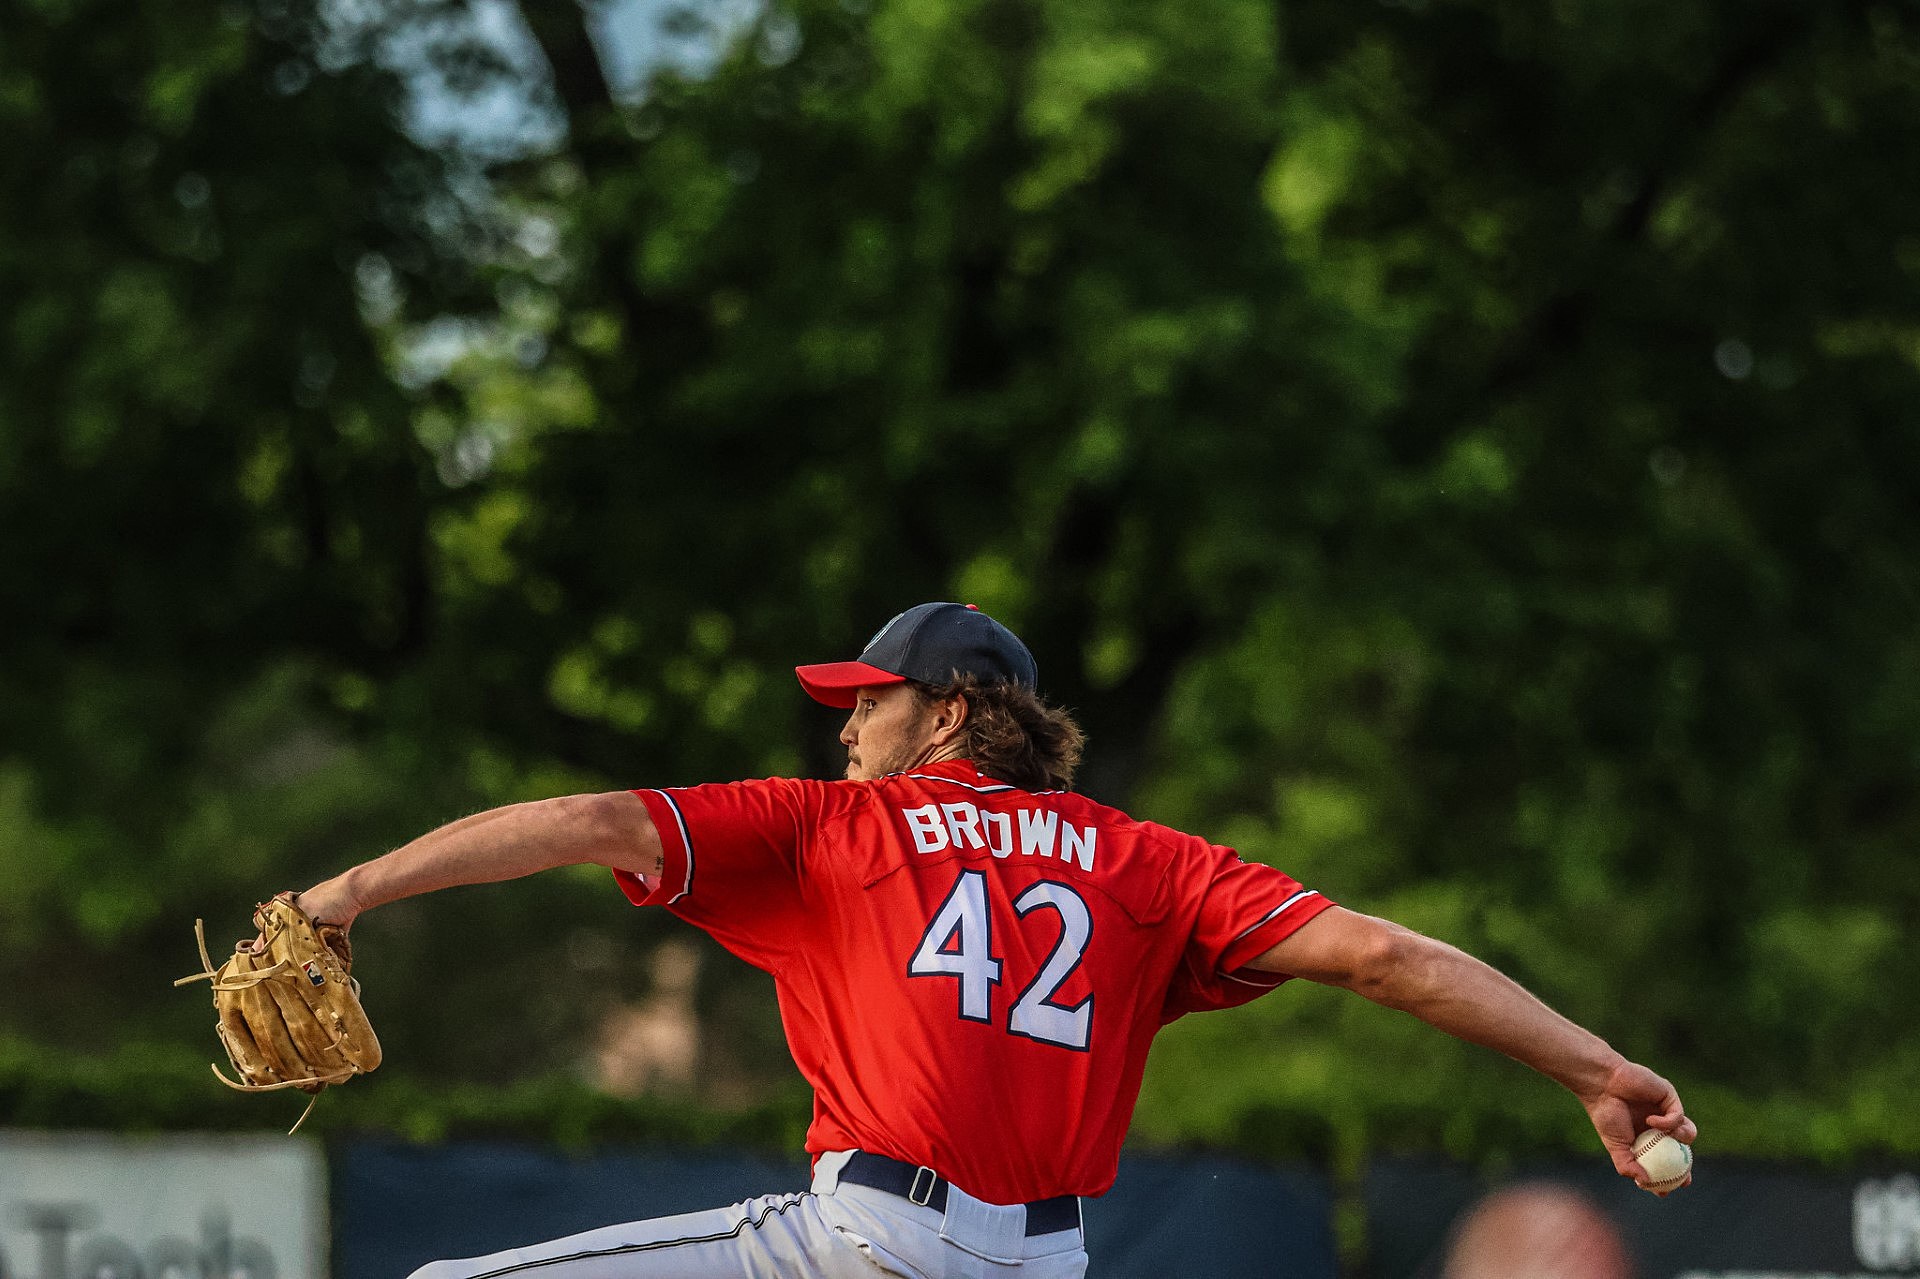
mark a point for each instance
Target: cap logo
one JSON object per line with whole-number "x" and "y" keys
{"x": 884, "y": 629}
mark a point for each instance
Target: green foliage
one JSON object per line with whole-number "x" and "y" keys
{"x": 160, "y": 1087}
{"x": 1461, "y": 453}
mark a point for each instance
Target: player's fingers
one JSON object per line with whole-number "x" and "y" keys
{"x": 1672, "y": 1119}
{"x": 1620, "y": 1150}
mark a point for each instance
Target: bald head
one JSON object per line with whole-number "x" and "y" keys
{"x": 1537, "y": 1231}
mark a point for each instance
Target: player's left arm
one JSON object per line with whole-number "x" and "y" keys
{"x": 612, "y": 829}
{"x": 1451, "y": 990}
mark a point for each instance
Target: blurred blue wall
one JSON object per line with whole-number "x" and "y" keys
{"x": 398, "y": 1206}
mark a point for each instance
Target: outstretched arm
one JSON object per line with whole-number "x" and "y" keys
{"x": 612, "y": 829}
{"x": 1450, "y": 989}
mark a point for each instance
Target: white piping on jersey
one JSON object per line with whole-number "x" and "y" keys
{"x": 1263, "y": 985}
{"x": 978, "y": 790}
{"x": 686, "y": 842}
{"x": 1278, "y": 911}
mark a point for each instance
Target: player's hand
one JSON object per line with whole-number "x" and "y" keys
{"x": 1633, "y": 1099}
{"x": 329, "y": 903}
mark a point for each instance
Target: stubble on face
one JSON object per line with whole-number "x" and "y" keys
{"x": 891, "y": 736}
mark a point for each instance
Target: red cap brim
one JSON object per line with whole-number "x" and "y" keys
{"x": 834, "y": 683}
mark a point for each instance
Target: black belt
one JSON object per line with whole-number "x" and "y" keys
{"x": 928, "y": 1188}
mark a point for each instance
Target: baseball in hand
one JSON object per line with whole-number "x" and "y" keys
{"x": 1667, "y": 1161}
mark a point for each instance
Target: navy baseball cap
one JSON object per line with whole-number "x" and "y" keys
{"x": 931, "y": 643}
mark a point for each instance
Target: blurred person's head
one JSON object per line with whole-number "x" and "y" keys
{"x": 1536, "y": 1231}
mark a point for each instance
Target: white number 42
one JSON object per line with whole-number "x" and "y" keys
{"x": 959, "y": 943}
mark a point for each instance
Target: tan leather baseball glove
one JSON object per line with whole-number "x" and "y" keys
{"x": 288, "y": 1006}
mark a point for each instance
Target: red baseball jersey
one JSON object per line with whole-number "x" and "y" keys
{"x": 969, "y": 973}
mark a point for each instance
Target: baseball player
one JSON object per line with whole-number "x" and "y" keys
{"x": 971, "y": 962}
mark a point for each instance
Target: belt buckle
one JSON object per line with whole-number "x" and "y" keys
{"x": 933, "y": 1183}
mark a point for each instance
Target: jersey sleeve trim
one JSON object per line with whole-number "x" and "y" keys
{"x": 676, "y": 854}
{"x": 994, "y": 789}
{"x": 1271, "y": 929}
{"x": 1264, "y": 981}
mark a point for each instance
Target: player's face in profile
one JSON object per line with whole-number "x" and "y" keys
{"x": 889, "y": 731}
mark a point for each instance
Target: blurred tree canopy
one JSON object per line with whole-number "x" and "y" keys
{"x": 1462, "y": 452}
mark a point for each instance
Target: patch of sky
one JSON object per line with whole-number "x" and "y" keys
{"x": 476, "y": 78}
{"x": 639, "y": 38}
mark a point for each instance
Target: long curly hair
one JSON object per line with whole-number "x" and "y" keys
{"x": 1014, "y": 735}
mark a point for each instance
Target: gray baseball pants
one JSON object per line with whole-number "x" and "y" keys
{"x": 833, "y": 1231}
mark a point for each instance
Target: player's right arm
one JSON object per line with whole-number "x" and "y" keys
{"x": 1471, "y": 1000}
{"x": 612, "y": 829}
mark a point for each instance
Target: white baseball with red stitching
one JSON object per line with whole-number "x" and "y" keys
{"x": 1666, "y": 1160}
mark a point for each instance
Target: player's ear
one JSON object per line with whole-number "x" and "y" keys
{"x": 949, "y": 718}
